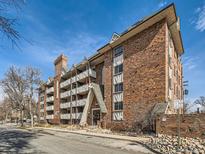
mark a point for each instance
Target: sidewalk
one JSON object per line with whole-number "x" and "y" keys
{"x": 139, "y": 139}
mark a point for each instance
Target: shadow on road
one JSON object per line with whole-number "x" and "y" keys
{"x": 16, "y": 141}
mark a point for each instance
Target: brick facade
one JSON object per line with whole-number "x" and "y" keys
{"x": 145, "y": 78}
{"x": 144, "y": 74}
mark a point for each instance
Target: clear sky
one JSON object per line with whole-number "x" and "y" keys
{"x": 78, "y": 28}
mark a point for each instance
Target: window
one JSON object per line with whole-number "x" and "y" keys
{"x": 118, "y": 51}
{"x": 118, "y": 106}
{"x": 118, "y": 69}
{"x": 169, "y": 61}
{"x": 42, "y": 98}
{"x": 119, "y": 87}
{"x": 170, "y": 83}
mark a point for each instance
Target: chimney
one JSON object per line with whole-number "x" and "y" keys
{"x": 60, "y": 63}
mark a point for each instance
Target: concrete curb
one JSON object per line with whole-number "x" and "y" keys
{"x": 99, "y": 135}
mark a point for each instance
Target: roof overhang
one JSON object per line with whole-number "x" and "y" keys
{"x": 168, "y": 13}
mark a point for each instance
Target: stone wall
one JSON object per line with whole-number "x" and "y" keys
{"x": 192, "y": 125}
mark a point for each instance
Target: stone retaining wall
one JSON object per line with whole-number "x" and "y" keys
{"x": 192, "y": 125}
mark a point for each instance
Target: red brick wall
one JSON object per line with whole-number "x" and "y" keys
{"x": 144, "y": 76}
{"x": 56, "y": 119}
{"x": 107, "y": 71}
{"x": 192, "y": 125}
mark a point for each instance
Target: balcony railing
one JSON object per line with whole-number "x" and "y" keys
{"x": 50, "y": 108}
{"x": 50, "y": 116}
{"x": 78, "y": 77}
{"x": 65, "y": 83}
{"x": 65, "y": 116}
{"x": 50, "y": 99}
{"x": 41, "y": 118}
{"x": 65, "y": 94}
{"x": 77, "y": 115}
{"x": 78, "y": 90}
{"x": 42, "y": 102}
{"x": 80, "y": 102}
{"x": 82, "y": 89}
{"x": 74, "y": 115}
{"x": 65, "y": 105}
{"x": 41, "y": 110}
{"x": 50, "y": 90}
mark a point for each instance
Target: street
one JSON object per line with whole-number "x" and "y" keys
{"x": 14, "y": 140}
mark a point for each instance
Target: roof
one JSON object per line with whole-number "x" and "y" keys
{"x": 159, "y": 108}
{"x": 168, "y": 12}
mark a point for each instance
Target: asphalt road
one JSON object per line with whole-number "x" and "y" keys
{"x": 14, "y": 141}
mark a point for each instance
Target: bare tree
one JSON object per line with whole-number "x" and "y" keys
{"x": 14, "y": 86}
{"x": 7, "y": 25}
{"x": 188, "y": 105}
{"x": 200, "y": 101}
{"x": 33, "y": 81}
{"x": 5, "y": 109}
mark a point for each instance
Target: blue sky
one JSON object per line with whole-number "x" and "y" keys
{"x": 78, "y": 28}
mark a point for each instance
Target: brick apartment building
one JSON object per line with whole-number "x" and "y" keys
{"x": 135, "y": 73}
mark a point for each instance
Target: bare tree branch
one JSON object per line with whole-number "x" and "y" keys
{"x": 200, "y": 101}
{"x": 8, "y": 25}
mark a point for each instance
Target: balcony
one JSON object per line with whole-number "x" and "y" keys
{"x": 65, "y": 105}
{"x": 79, "y": 77}
{"x": 80, "y": 102}
{"x": 77, "y": 115}
{"x": 118, "y": 60}
{"x": 65, "y": 83}
{"x": 85, "y": 74}
{"x": 41, "y": 118}
{"x": 65, "y": 116}
{"x": 41, "y": 110}
{"x": 118, "y": 78}
{"x": 50, "y": 90}
{"x": 50, "y": 99}
{"x": 78, "y": 90}
{"x": 65, "y": 94}
{"x": 50, "y": 108}
{"x": 118, "y": 97}
{"x": 82, "y": 89}
{"x": 42, "y": 102}
{"x": 50, "y": 116}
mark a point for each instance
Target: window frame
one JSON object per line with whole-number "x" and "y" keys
{"x": 118, "y": 86}
{"x": 118, "y": 51}
{"x": 118, "y": 106}
{"x": 117, "y": 67}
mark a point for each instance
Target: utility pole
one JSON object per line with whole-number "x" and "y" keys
{"x": 178, "y": 126}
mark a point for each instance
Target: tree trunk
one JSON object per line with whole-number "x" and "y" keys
{"x": 31, "y": 113}
{"x": 21, "y": 116}
{"x": 6, "y": 117}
